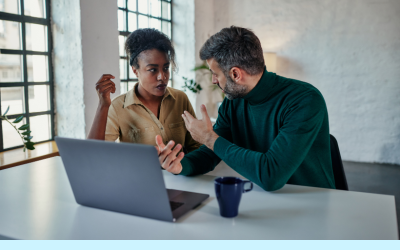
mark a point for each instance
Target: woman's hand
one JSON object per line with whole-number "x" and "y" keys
{"x": 169, "y": 158}
{"x": 104, "y": 87}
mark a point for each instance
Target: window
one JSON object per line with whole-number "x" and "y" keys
{"x": 26, "y": 82}
{"x": 134, "y": 14}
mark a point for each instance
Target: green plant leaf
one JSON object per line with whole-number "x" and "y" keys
{"x": 18, "y": 119}
{"x": 203, "y": 66}
{"x": 24, "y": 127}
{"x": 27, "y": 138}
{"x": 7, "y": 110}
{"x": 26, "y": 133}
{"x": 29, "y": 145}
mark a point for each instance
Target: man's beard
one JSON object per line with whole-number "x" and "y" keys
{"x": 233, "y": 90}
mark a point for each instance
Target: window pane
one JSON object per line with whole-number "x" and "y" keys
{"x": 41, "y": 127}
{"x": 10, "y": 6}
{"x": 11, "y": 137}
{"x": 10, "y": 35}
{"x": 132, "y": 5}
{"x": 155, "y": 23}
{"x": 10, "y": 68}
{"x": 131, "y": 75}
{"x": 131, "y": 85}
{"x": 123, "y": 86}
{"x": 121, "y": 3}
{"x": 166, "y": 10}
{"x": 132, "y": 26}
{"x": 122, "y": 69}
{"x": 155, "y": 8}
{"x": 39, "y": 98}
{"x": 143, "y": 22}
{"x": 37, "y": 68}
{"x": 36, "y": 37}
{"x": 122, "y": 40}
{"x": 121, "y": 20}
{"x": 13, "y": 97}
{"x": 166, "y": 28}
{"x": 143, "y": 6}
{"x": 34, "y": 8}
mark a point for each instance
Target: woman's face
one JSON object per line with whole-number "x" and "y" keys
{"x": 153, "y": 72}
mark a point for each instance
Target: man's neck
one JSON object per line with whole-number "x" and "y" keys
{"x": 252, "y": 81}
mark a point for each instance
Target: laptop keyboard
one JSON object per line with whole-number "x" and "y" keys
{"x": 174, "y": 205}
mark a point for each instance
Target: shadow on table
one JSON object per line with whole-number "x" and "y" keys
{"x": 5, "y": 238}
{"x": 203, "y": 206}
{"x": 257, "y": 214}
{"x": 297, "y": 189}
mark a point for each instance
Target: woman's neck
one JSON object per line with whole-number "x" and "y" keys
{"x": 146, "y": 97}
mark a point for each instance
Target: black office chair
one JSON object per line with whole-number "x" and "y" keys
{"x": 337, "y": 165}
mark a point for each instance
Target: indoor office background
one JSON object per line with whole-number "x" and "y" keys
{"x": 53, "y": 54}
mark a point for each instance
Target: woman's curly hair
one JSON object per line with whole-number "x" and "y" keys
{"x": 147, "y": 39}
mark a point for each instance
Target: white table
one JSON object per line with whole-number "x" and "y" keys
{"x": 36, "y": 202}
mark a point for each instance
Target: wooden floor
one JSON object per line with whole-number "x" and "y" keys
{"x": 375, "y": 178}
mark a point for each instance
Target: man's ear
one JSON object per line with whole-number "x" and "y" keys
{"x": 236, "y": 74}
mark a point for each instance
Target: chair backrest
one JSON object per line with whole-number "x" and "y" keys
{"x": 337, "y": 165}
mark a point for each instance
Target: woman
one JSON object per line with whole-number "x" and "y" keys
{"x": 150, "y": 108}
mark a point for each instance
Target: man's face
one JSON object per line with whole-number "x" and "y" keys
{"x": 225, "y": 83}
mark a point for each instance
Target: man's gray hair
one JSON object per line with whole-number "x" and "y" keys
{"x": 235, "y": 47}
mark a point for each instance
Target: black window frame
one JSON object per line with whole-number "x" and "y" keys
{"x": 4, "y": 16}
{"x": 126, "y": 34}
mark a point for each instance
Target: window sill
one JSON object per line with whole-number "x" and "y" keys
{"x": 16, "y": 157}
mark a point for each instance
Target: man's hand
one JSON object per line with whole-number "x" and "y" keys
{"x": 201, "y": 130}
{"x": 104, "y": 87}
{"x": 169, "y": 158}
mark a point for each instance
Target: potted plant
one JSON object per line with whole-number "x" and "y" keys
{"x": 195, "y": 87}
{"x": 23, "y": 130}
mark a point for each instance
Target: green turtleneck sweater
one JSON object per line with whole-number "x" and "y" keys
{"x": 276, "y": 134}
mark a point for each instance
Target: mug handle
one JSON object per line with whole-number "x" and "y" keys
{"x": 251, "y": 186}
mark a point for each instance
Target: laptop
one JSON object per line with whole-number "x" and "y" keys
{"x": 122, "y": 177}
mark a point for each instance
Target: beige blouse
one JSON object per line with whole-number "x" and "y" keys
{"x": 130, "y": 121}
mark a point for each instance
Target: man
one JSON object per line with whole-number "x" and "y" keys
{"x": 270, "y": 129}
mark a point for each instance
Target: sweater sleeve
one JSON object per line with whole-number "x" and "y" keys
{"x": 301, "y": 123}
{"x": 204, "y": 160}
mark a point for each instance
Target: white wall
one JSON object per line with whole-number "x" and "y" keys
{"x": 67, "y": 66}
{"x": 205, "y": 28}
{"x": 100, "y": 53}
{"x": 349, "y": 50}
{"x": 183, "y": 36}
{"x": 85, "y": 35}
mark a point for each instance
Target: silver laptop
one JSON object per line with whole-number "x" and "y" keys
{"x": 122, "y": 177}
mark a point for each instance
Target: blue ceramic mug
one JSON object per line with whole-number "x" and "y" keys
{"x": 229, "y": 192}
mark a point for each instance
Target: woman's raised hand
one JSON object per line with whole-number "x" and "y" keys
{"x": 170, "y": 159}
{"x": 104, "y": 87}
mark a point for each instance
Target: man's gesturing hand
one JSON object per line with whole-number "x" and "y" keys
{"x": 169, "y": 158}
{"x": 201, "y": 130}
